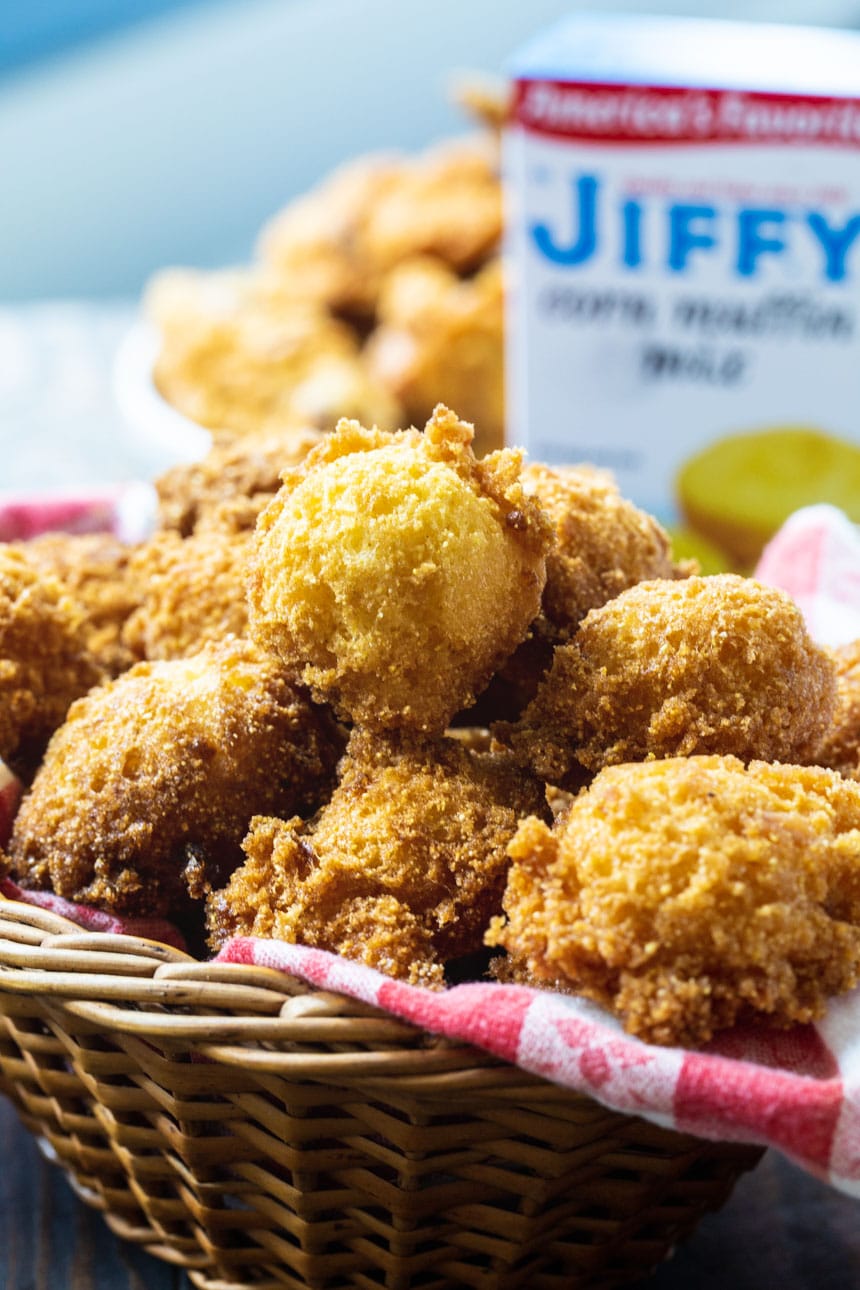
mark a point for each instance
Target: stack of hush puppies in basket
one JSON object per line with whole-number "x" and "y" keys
{"x": 382, "y": 692}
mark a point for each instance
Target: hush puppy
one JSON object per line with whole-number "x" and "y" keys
{"x": 441, "y": 338}
{"x": 44, "y": 660}
{"x": 238, "y": 354}
{"x": 153, "y": 778}
{"x": 717, "y": 664}
{"x": 193, "y": 591}
{"x": 236, "y": 479}
{"x": 603, "y": 543}
{"x": 691, "y": 893}
{"x": 337, "y": 244}
{"x": 840, "y": 747}
{"x": 403, "y": 868}
{"x": 394, "y": 572}
{"x": 94, "y": 572}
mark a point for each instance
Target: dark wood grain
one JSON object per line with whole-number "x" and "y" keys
{"x": 49, "y": 1240}
{"x": 781, "y": 1230}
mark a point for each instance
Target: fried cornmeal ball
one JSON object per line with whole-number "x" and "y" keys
{"x": 840, "y": 747}
{"x": 442, "y": 338}
{"x": 395, "y": 572}
{"x": 239, "y": 354}
{"x": 336, "y": 244}
{"x": 446, "y": 202}
{"x": 93, "y": 570}
{"x": 44, "y": 661}
{"x": 403, "y": 868}
{"x": 229, "y": 487}
{"x": 311, "y": 246}
{"x": 603, "y": 543}
{"x": 692, "y": 893}
{"x": 153, "y": 779}
{"x": 717, "y": 664}
{"x": 193, "y": 591}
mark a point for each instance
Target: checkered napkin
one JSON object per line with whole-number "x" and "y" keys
{"x": 126, "y": 511}
{"x": 797, "y": 1090}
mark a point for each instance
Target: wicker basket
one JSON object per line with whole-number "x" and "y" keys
{"x": 257, "y": 1132}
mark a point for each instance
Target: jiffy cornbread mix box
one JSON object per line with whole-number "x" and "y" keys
{"x": 683, "y": 224}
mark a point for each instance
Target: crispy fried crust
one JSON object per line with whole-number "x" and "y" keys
{"x": 163, "y": 766}
{"x": 840, "y": 747}
{"x": 394, "y": 573}
{"x": 603, "y": 543}
{"x": 44, "y": 661}
{"x": 229, "y": 487}
{"x": 93, "y": 570}
{"x": 691, "y": 893}
{"x": 716, "y": 664}
{"x": 193, "y": 591}
{"x": 402, "y": 869}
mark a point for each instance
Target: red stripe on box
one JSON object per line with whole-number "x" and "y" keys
{"x": 649, "y": 115}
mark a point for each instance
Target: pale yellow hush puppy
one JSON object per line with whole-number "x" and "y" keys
{"x": 394, "y": 573}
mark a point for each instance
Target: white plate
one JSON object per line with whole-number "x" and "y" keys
{"x": 157, "y": 426}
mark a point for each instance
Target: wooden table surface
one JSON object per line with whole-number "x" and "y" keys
{"x": 780, "y": 1230}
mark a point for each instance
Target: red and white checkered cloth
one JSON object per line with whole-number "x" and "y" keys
{"x": 127, "y": 511}
{"x": 797, "y": 1090}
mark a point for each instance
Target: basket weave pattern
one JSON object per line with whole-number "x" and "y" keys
{"x": 258, "y": 1132}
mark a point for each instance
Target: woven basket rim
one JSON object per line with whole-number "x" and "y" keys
{"x": 235, "y": 1013}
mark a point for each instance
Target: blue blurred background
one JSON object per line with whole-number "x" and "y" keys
{"x": 139, "y": 133}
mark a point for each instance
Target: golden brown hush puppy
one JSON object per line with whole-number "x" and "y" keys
{"x": 229, "y": 487}
{"x": 840, "y": 747}
{"x": 93, "y": 570}
{"x": 193, "y": 591}
{"x": 442, "y": 338}
{"x": 603, "y": 543}
{"x": 160, "y": 771}
{"x": 44, "y": 660}
{"x": 238, "y": 354}
{"x": 717, "y": 664}
{"x": 691, "y": 893}
{"x": 402, "y": 869}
